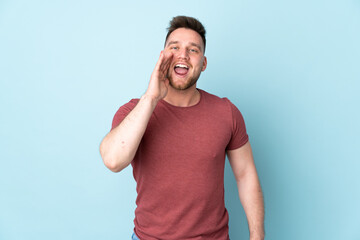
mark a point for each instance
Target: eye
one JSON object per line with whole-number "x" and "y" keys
{"x": 175, "y": 48}
{"x": 194, "y": 50}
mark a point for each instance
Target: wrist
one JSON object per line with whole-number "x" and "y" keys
{"x": 257, "y": 236}
{"x": 149, "y": 99}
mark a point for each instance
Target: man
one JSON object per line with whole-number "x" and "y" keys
{"x": 176, "y": 137}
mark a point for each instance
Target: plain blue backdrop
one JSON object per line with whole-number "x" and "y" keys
{"x": 291, "y": 67}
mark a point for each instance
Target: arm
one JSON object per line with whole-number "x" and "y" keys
{"x": 243, "y": 166}
{"x": 119, "y": 146}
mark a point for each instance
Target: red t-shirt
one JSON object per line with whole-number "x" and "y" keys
{"x": 179, "y": 168}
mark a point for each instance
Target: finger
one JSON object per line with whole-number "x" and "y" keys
{"x": 160, "y": 61}
{"x": 166, "y": 62}
{"x": 168, "y": 57}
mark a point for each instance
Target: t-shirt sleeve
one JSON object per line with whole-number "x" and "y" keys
{"x": 239, "y": 135}
{"x": 123, "y": 111}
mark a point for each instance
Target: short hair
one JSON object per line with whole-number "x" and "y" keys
{"x": 186, "y": 22}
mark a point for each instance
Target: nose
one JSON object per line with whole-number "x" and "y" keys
{"x": 183, "y": 53}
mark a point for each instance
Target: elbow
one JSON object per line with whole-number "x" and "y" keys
{"x": 111, "y": 162}
{"x": 112, "y": 166}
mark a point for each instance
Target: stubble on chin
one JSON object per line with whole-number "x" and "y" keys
{"x": 184, "y": 86}
{"x": 188, "y": 84}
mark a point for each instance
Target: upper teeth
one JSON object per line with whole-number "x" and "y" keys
{"x": 181, "y": 65}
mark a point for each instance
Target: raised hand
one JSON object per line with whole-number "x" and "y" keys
{"x": 119, "y": 146}
{"x": 159, "y": 83}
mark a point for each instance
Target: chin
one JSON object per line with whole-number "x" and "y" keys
{"x": 183, "y": 86}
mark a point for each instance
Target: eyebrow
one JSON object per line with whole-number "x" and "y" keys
{"x": 191, "y": 43}
{"x": 172, "y": 42}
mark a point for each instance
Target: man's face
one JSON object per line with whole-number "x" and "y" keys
{"x": 189, "y": 61}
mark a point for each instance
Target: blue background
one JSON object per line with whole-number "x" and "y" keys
{"x": 291, "y": 67}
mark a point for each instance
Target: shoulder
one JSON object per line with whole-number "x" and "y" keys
{"x": 212, "y": 97}
{"x": 131, "y": 104}
{"x": 123, "y": 111}
{"x": 221, "y": 105}
{"x": 127, "y": 107}
{"x": 217, "y": 101}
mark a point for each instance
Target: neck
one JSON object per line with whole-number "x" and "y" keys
{"x": 183, "y": 98}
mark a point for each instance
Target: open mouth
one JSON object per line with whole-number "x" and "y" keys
{"x": 181, "y": 69}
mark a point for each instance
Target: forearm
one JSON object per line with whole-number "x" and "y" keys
{"x": 252, "y": 200}
{"x": 119, "y": 146}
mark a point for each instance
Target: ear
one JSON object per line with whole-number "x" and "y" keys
{"x": 204, "y": 64}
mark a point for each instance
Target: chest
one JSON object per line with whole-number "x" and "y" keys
{"x": 187, "y": 146}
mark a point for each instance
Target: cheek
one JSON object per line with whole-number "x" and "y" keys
{"x": 174, "y": 53}
{"x": 168, "y": 52}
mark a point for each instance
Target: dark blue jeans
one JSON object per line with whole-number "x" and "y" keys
{"x": 134, "y": 237}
